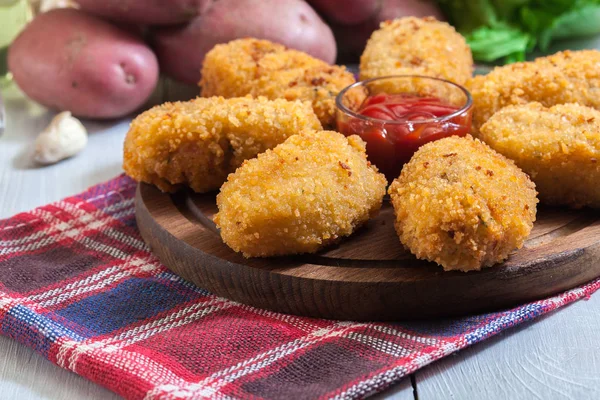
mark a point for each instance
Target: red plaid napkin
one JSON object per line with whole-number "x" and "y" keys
{"x": 78, "y": 285}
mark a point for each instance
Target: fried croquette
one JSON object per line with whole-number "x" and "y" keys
{"x": 559, "y": 147}
{"x": 417, "y": 46}
{"x": 199, "y": 142}
{"x": 263, "y": 68}
{"x": 306, "y": 193}
{"x": 565, "y": 77}
{"x": 461, "y": 204}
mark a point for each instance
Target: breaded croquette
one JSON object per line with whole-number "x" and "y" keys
{"x": 461, "y": 204}
{"x": 559, "y": 147}
{"x": 306, "y": 193}
{"x": 263, "y": 68}
{"x": 199, "y": 142}
{"x": 565, "y": 77}
{"x": 417, "y": 46}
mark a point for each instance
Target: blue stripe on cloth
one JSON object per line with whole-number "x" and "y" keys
{"x": 133, "y": 300}
{"x": 34, "y": 330}
{"x": 499, "y": 322}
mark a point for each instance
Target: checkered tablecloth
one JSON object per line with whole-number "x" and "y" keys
{"x": 78, "y": 285}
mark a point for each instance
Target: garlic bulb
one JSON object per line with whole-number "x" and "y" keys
{"x": 63, "y": 138}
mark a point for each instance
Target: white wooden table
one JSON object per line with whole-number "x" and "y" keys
{"x": 555, "y": 357}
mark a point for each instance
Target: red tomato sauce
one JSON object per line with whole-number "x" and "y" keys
{"x": 391, "y": 145}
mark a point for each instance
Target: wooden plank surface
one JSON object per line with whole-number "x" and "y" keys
{"x": 26, "y": 375}
{"x": 562, "y": 350}
{"x": 555, "y": 357}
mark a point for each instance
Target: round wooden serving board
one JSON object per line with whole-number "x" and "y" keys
{"x": 368, "y": 276}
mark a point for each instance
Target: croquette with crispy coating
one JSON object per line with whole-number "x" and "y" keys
{"x": 559, "y": 147}
{"x": 565, "y": 77}
{"x": 461, "y": 204}
{"x": 306, "y": 193}
{"x": 198, "y": 143}
{"x": 417, "y": 46}
{"x": 263, "y": 68}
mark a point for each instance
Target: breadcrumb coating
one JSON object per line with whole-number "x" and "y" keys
{"x": 565, "y": 77}
{"x": 199, "y": 142}
{"x": 417, "y": 46}
{"x": 263, "y": 68}
{"x": 559, "y": 147}
{"x": 461, "y": 204}
{"x": 306, "y": 193}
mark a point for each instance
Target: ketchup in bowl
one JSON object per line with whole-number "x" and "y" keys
{"x": 395, "y": 125}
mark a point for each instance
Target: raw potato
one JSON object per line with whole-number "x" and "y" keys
{"x": 147, "y": 12}
{"x": 417, "y": 46}
{"x": 198, "y": 143}
{"x": 306, "y": 193}
{"x": 66, "y": 59}
{"x": 346, "y": 12}
{"x": 292, "y": 23}
{"x": 393, "y": 9}
{"x": 263, "y": 68}
{"x": 461, "y": 204}
{"x": 564, "y": 77}
{"x": 559, "y": 147}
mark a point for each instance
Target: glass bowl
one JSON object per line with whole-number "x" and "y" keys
{"x": 391, "y": 141}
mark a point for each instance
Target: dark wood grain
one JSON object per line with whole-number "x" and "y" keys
{"x": 369, "y": 276}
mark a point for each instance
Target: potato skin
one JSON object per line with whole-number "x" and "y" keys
{"x": 417, "y": 46}
{"x": 564, "y": 77}
{"x": 346, "y": 12}
{"x": 68, "y": 60}
{"x": 289, "y": 22}
{"x": 263, "y": 68}
{"x": 461, "y": 204}
{"x": 146, "y": 12}
{"x": 306, "y": 193}
{"x": 392, "y": 9}
{"x": 559, "y": 147}
{"x": 199, "y": 142}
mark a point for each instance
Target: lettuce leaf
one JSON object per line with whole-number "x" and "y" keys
{"x": 509, "y": 29}
{"x": 468, "y": 15}
{"x": 581, "y": 22}
{"x": 490, "y": 44}
{"x": 507, "y": 9}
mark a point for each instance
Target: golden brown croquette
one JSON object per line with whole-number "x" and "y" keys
{"x": 559, "y": 147}
{"x": 263, "y": 68}
{"x": 461, "y": 204}
{"x": 198, "y": 143}
{"x": 417, "y": 46}
{"x": 306, "y": 193}
{"x": 565, "y": 77}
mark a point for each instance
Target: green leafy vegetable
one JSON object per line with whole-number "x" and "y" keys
{"x": 490, "y": 44}
{"x": 584, "y": 21}
{"x": 508, "y": 29}
{"x": 468, "y": 15}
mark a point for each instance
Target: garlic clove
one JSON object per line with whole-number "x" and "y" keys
{"x": 64, "y": 137}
